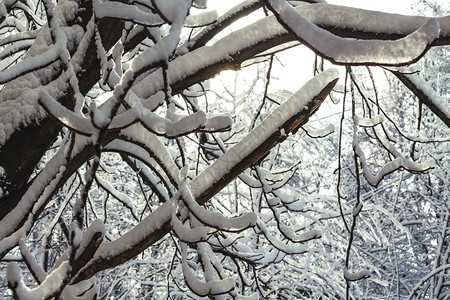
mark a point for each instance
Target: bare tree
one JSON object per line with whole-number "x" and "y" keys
{"x": 124, "y": 173}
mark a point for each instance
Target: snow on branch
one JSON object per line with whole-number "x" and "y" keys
{"x": 408, "y": 164}
{"x": 298, "y": 102}
{"x": 368, "y": 122}
{"x": 49, "y": 288}
{"x": 321, "y": 132}
{"x": 350, "y": 52}
{"x": 280, "y": 245}
{"x": 230, "y": 51}
{"x": 350, "y": 276}
{"x": 65, "y": 116}
{"x": 209, "y": 288}
{"x": 385, "y": 170}
{"x": 138, "y": 135}
{"x": 426, "y": 94}
{"x": 216, "y": 219}
{"x": 38, "y": 272}
{"x": 200, "y": 20}
{"x": 292, "y": 114}
{"x": 20, "y": 36}
{"x": 147, "y": 157}
{"x": 128, "y": 12}
{"x": 29, "y": 64}
{"x": 186, "y": 234}
{"x": 169, "y": 129}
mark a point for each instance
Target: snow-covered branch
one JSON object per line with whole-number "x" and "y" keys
{"x": 350, "y": 52}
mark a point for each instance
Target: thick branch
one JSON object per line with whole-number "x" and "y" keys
{"x": 426, "y": 96}
{"x": 211, "y": 181}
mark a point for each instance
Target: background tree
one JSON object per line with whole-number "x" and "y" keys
{"x": 126, "y": 173}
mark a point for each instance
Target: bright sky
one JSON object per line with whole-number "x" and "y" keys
{"x": 296, "y": 63}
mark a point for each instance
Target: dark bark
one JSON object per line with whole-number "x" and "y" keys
{"x": 24, "y": 149}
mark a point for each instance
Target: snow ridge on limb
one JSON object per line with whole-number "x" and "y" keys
{"x": 209, "y": 288}
{"x": 126, "y": 12}
{"x": 65, "y": 116}
{"x": 216, "y": 219}
{"x": 290, "y": 116}
{"x": 29, "y": 64}
{"x": 426, "y": 94}
{"x": 350, "y": 52}
{"x": 298, "y": 103}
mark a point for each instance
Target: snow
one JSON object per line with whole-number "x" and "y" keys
{"x": 49, "y": 287}
{"x": 27, "y": 35}
{"x": 154, "y": 146}
{"x": 201, "y": 19}
{"x": 143, "y": 155}
{"x": 286, "y": 248}
{"x": 19, "y": 98}
{"x": 366, "y": 20}
{"x": 410, "y": 165}
{"x": 363, "y": 274}
{"x": 216, "y": 219}
{"x": 132, "y": 238}
{"x": 87, "y": 289}
{"x": 34, "y": 198}
{"x": 65, "y": 116}
{"x": 3, "y": 10}
{"x": 28, "y": 65}
{"x": 37, "y": 270}
{"x": 386, "y": 169}
{"x": 165, "y": 127}
{"x": 173, "y": 9}
{"x": 96, "y": 227}
{"x": 203, "y": 288}
{"x": 188, "y": 235}
{"x": 214, "y": 172}
{"x": 15, "y": 48}
{"x": 322, "y": 132}
{"x": 368, "y": 122}
{"x": 442, "y": 104}
{"x": 346, "y": 51}
{"x": 126, "y": 12}
{"x": 121, "y": 197}
{"x": 357, "y": 209}
{"x": 262, "y": 30}
{"x": 268, "y": 126}
{"x": 156, "y": 182}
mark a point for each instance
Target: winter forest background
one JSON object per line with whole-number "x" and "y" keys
{"x": 314, "y": 166}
